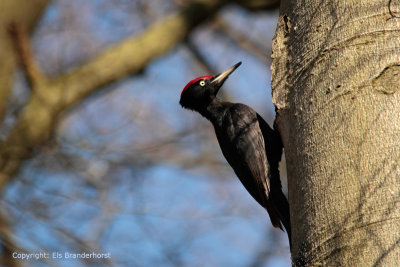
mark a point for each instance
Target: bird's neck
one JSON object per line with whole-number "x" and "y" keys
{"x": 214, "y": 109}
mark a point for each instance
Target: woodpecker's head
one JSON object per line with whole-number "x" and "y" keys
{"x": 199, "y": 92}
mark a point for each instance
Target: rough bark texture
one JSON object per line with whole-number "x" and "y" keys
{"x": 336, "y": 81}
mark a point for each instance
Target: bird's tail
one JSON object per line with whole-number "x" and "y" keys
{"x": 281, "y": 209}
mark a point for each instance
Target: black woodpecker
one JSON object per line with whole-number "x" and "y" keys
{"x": 248, "y": 143}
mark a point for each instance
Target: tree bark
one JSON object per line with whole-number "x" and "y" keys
{"x": 336, "y": 81}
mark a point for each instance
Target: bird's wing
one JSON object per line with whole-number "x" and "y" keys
{"x": 273, "y": 149}
{"x": 242, "y": 144}
{"x": 241, "y": 137}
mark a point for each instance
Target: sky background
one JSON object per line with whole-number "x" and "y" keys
{"x": 123, "y": 173}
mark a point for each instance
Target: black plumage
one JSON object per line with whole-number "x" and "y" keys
{"x": 252, "y": 148}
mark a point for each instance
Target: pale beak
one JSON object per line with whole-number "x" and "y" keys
{"x": 218, "y": 80}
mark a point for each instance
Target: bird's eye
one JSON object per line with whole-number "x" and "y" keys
{"x": 202, "y": 83}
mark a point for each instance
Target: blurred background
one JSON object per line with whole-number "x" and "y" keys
{"x": 127, "y": 170}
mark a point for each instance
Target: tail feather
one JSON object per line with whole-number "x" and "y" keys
{"x": 274, "y": 217}
{"x": 281, "y": 207}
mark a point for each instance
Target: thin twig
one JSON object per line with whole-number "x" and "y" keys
{"x": 25, "y": 55}
{"x": 207, "y": 67}
{"x": 242, "y": 40}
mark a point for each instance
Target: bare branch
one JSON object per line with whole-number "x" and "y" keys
{"x": 27, "y": 13}
{"x": 25, "y": 55}
{"x": 36, "y": 122}
{"x": 133, "y": 55}
{"x": 243, "y": 41}
{"x": 256, "y": 5}
{"x": 205, "y": 65}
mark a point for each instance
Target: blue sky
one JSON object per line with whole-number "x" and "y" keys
{"x": 122, "y": 195}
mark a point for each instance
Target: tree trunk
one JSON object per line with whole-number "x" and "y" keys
{"x": 336, "y": 81}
